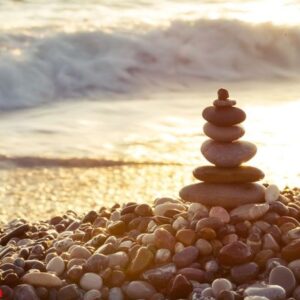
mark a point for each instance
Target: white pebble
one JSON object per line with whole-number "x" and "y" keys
{"x": 115, "y": 293}
{"x": 272, "y": 193}
{"x": 56, "y": 265}
{"x": 178, "y": 247}
{"x": 219, "y": 285}
{"x": 91, "y": 281}
{"x": 180, "y": 223}
{"x": 115, "y": 216}
{"x": 162, "y": 255}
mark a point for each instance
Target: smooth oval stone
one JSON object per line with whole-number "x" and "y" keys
{"x": 24, "y": 292}
{"x": 161, "y": 209}
{"x": 235, "y": 253}
{"x": 242, "y": 174}
{"x": 92, "y": 295}
{"x": 250, "y": 211}
{"x": 219, "y": 285}
{"x": 57, "y": 265}
{"x": 140, "y": 290}
{"x": 291, "y": 251}
{"x": 91, "y": 281}
{"x": 185, "y": 257}
{"x": 223, "y": 116}
{"x": 42, "y": 279}
{"x": 272, "y": 193}
{"x": 271, "y": 292}
{"x": 220, "y": 213}
{"x": 223, "y": 134}
{"x": 224, "y": 103}
{"x": 225, "y": 195}
{"x": 244, "y": 273}
{"x": 228, "y": 155}
{"x": 180, "y": 288}
{"x": 141, "y": 261}
{"x": 69, "y": 292}
{"x": 283, "y": 277}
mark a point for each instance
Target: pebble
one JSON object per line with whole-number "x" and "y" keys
{"x": 139, "y": 290}
{"x": 93, "y": 295}
{"x": 90, "y": 281}
{"x": 283, "y": 277}
{"x": 119, "y": 259}
{"x": 228, "y": 155}
{"x": 272, "y": 193}
{"x": 225, "y": 195}
{"x": 115, "y": 293}
{"x": 25, "y": 292}
{"x": 69, "y": 292}
{"x": 295, "y": 267}
{"x": 79, "y": 252}
{"x": 56, "y": 265}
{"x": 235, "y": 253}
{"x": 204, "y": 247}
{"x": 42, "y": 279}
{"x": 161, "y": 209}
{"x": 270, "y": 243}
{"x": 223, "y": 134}
{"x": 193, "y": 274}
{"x": 162, "y": 256}
{"x": 271, "y": 292}
{"x": 219, "y": 285}
{"x": 222, "y": 103}
{"x": 186, "y": 236}
{"x": 223, "y": 116}
{"x": 164, "y": 239}
{"x": 250, "y": 212}
{"x": 291, "y": 251}
{"x": 244, "y": 273}
{"x": 180, "y": 287}
{"x": 141, "y": 261}
{"x": 185, "y": 257}
{"x": 220, "y": 213}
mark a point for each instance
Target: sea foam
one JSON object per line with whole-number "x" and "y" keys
{"x": 62, "y": 66}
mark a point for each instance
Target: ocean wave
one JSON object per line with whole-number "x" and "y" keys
{"x": 41, "y": 69}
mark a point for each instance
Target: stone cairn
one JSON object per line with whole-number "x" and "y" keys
{"x": 227, "y": 184}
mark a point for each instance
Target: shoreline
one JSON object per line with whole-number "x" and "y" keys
{"x": 163, "y": 250}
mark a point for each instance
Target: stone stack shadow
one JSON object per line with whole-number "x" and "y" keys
{"x": 227, "y": 183}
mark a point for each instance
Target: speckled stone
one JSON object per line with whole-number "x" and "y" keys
{"x": 241, "y": 174}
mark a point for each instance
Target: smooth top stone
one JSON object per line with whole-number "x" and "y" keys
{"x": 224, "y": 103}
{"x": 225, "y": 195}
{"x": 240, "y": 174}
{"x": 42, "y": 279}
{"x": 228, "y": 155}
{"x": 223, "y": 134}
{"x": 223, "y": 116}
{"x": 223, "y": 94}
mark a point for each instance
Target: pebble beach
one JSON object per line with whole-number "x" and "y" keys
{"x": 225, "y": 237}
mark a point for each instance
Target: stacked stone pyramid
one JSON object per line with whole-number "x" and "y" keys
{"x": 227, "y": 183}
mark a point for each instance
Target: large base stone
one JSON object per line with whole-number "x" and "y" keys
{"x": 225, "y": 195}
{"x": 241, "y": 174}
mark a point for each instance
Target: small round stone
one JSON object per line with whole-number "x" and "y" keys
{"x": 90, "y": 281}
{"x": 291, "y": 251}
{"x": 205, "y": 248}
{"x": 283, "y": 277}
{"x": 186, "y": 236}
{"x": 164, "y": 239}
{"x": 56, "y": 265}
{"x": 92, "y": 295}
{"x": 235, "y": 253}
{"x": 79, "y": 252}
{"x": 69, "y": 292}
{"x": 228, "y": 155}
{"x": 185, "y": 257}
{"x": 272, "y": 193}
{"x": 140, "y": 290}
{"x": 220, "y": 213}
{"x": 250, "y": 211}
{"x": 115, "y": 293}
{"x": 223, "y": 94}
{"x": 219, "y": 285}
{"x": 242, "y": 174}
{"x": 244, "y": 273}
{"x": 223, "y": 134}
{"x": 162, "y": 256}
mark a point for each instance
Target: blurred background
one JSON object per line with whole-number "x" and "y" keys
{"x": 101, "y": 102}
